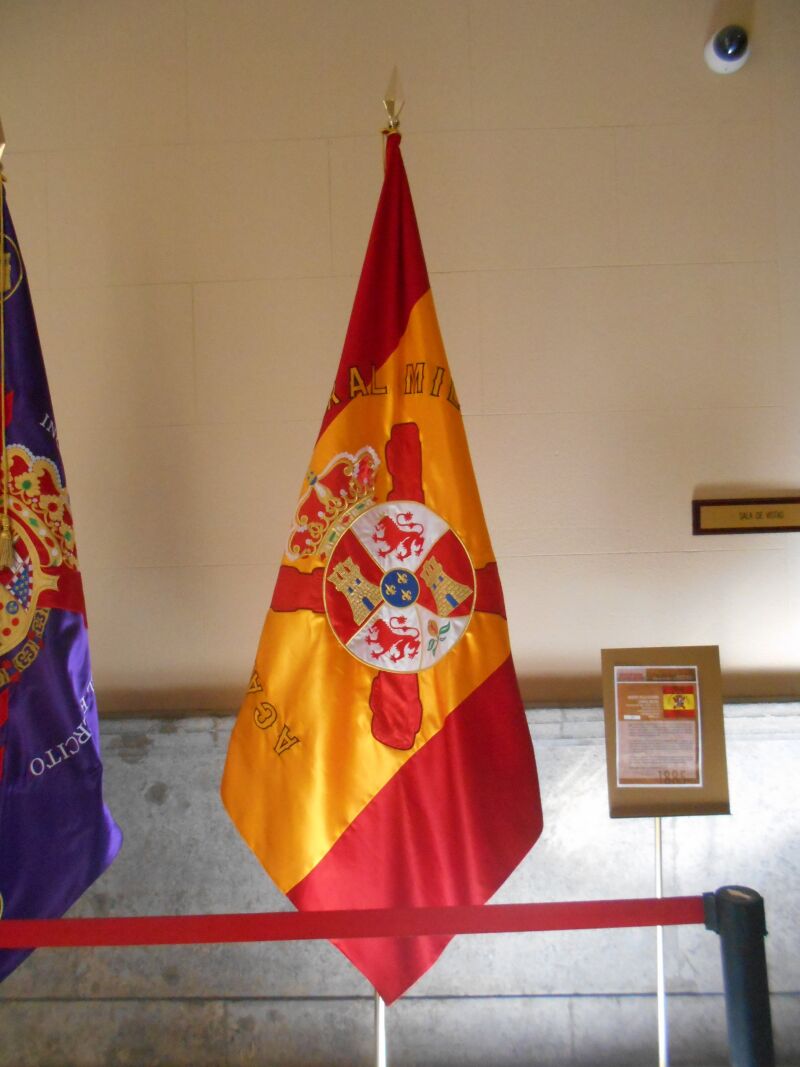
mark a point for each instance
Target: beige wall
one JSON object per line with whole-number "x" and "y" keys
{"x": 613, "y": 235}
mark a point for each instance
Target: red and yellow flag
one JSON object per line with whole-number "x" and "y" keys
{"x": 381, "y": 756}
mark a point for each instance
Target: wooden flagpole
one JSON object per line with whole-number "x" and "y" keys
{"x": 393, "y": 103}
{"x": 6, "y": 535}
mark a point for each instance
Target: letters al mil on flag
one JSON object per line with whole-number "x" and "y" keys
{"x": 381, "y": 757}
{"x": 56, "y": 835}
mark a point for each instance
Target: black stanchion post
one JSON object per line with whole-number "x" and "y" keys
{"x": 737, "y": 915}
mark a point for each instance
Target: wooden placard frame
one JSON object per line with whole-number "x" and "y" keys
{"x": 746, "y": 515}
{"x": 710, "y": 795}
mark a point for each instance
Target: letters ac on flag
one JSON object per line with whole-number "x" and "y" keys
{"x": 381, "y": 756}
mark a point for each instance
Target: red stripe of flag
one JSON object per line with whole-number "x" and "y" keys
{"x": 446, "y": 812}
{"x": 393, "y": 278}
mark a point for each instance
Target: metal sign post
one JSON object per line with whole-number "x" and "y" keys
{"x": 661, "y": 985}
{"x": 380, "y": 1031}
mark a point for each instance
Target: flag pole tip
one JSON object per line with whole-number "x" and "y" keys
{"x": 2, "y": 144}
{"x": 393, "y": 101}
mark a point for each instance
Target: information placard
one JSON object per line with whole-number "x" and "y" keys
{"x": 658, "y": 726}
{"x": 665, "y": 740}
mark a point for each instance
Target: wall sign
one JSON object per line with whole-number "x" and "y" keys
{"x": 774, "y": 514}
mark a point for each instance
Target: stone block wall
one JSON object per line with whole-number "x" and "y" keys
{"x": 573, "y": 998}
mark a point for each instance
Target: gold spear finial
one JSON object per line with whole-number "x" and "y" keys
{"x": 2, "y": 144}
{"x": 393, "y": 101}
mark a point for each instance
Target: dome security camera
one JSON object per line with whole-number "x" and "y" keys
{"x": 728, "y": 50}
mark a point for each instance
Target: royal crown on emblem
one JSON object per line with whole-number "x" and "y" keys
{"x": 331, "y": 502}
{"x": 43, "y": 542}
{"x": 40, "y": 504}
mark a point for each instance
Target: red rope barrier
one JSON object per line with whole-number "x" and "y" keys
{"x": 378, "y": 922}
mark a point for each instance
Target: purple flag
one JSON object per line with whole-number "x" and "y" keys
{"x": 56, "y": 835}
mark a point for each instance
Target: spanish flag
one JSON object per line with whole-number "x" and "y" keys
{"x": 678, "y": 701}
{"x": 381, "y": 757}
